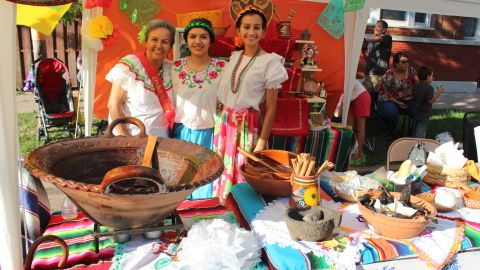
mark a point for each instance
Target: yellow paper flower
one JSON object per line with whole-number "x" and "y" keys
{"x": 101, "y": 27}
{"x": 311, "y": 196}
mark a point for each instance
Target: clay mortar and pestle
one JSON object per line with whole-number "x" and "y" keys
{"x": 312, "y": 223}
{"x": 135, "y": 179}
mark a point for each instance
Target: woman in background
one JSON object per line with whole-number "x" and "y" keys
{"x": 395, "y": 92}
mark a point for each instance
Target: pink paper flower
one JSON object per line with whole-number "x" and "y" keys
{"x": 97, "y": 3}
{"x": 109, "y": 40}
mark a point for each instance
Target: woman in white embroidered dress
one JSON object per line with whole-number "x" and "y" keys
{"x": 133, "y": 93}
{"x": 251, "y": 78}
{"x": 195, "y": 85}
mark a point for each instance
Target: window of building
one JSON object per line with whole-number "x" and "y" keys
{"x": 472, "y": 28}
{"x": 398, "y": 18}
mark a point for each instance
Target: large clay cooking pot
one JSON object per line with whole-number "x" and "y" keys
{"x": 77, "y": 166}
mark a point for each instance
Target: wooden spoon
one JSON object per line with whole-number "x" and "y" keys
{"x": 255, "y": 158}
{"x": 143, "y": 172}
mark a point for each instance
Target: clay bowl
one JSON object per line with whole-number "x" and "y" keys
{"x": 471, "y": 199}
{"x": 274, "y": 158}
{"x": 397, "y": 227}
{"x": 220, "y": 31}
{"x": 267, "y": 184}
{"x": 77, "y": 166}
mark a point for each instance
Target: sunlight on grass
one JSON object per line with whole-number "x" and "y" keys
{"x": 27, "y": 132}
{"x": 441, "y": 121}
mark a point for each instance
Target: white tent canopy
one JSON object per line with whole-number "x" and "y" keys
{"x": 355, "y": 23}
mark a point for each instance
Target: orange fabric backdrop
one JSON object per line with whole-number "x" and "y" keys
{"x": 330, "y": 59}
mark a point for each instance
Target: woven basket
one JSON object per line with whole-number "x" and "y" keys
{"x": 471, "y": 199}
{"x": 442, "y": 176}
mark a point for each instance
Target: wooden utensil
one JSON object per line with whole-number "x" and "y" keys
{"x": 138, "y": 173}
{"x": 255, "y": 158}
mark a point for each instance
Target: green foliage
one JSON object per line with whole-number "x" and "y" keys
{"x": 73, "y": 13}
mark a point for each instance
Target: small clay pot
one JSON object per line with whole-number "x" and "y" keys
{"x": 311, "y": 223}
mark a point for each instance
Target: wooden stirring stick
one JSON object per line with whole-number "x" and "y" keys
{"x": 255, "y": 158}
{"x": 147, "y": 155}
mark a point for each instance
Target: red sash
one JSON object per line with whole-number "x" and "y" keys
{"x": 160, "y": 90}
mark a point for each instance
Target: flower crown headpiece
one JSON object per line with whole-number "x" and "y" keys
{"x": 196, "y": 25}
{"x": 142, "y": 35}
{"x": 250, "y": 8}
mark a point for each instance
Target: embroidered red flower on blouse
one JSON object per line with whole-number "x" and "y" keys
{"x": 220, "y": 64}
{"x": 212, "y": 74}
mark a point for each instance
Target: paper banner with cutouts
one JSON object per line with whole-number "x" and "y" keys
{"x": 139, "y": 12}
{"x": 332, "y": 20}
{"x": 353, "y": 5}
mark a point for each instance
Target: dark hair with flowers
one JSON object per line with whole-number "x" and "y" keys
{"x": 152, "y": 25}
{"x": 200, "y": 23}
{"x": 248, "y": 10}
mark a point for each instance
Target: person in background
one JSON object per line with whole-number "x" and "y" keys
{"x": 358, "y": 113}
{"x": 376, "y": 51}
{"x": 195, "y": 85}
{"x": 395, "y": 92}
{"x": 251, "y": 78}
{"x": 141, "y": 83}
{"x": 425, "y": 96}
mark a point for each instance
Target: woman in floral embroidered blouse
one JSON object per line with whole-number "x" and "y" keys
{"x": 195, "y": 84}
{"x": 395, "y": 92}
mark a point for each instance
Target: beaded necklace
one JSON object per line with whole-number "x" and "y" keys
{"x": 235, "y": 84}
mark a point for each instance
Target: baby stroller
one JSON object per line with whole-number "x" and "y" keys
{"x": 53, "y": 93}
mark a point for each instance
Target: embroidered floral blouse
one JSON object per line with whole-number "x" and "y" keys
{"x": 195, "y": 93}
{"x": 390, "y": 86}
{"x": 141, "y": 101}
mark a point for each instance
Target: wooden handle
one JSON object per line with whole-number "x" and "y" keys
{"x": 31, "y": 252}
{"x": 255, "y": 158}
{"x": 127, "y": 119}
{"x": 147, "y": 155}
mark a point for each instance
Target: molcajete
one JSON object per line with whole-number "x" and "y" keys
{"x": 314, "y": 223}
{"x": 77, "y": 166}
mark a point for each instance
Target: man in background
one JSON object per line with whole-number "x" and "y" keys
{"x": 376, "y": 51}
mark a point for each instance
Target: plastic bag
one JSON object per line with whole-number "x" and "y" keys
{"x": 418, "y": 155}
{"x": 444, "y": 137}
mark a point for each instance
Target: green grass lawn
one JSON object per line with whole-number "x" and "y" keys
{"x": 27, "y": 130}
{"x": 441, "y": 120}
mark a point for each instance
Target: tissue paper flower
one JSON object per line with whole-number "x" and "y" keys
{"x": 101, "y": 27}
{"x": 99, "y": 32}
{"x": 97, "y": 3}
{"x": 216, "y": 244}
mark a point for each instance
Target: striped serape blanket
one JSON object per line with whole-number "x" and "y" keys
{"x": 78, "y": 235}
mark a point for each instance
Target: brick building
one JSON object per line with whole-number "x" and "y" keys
{"x": 449, "y": 44}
